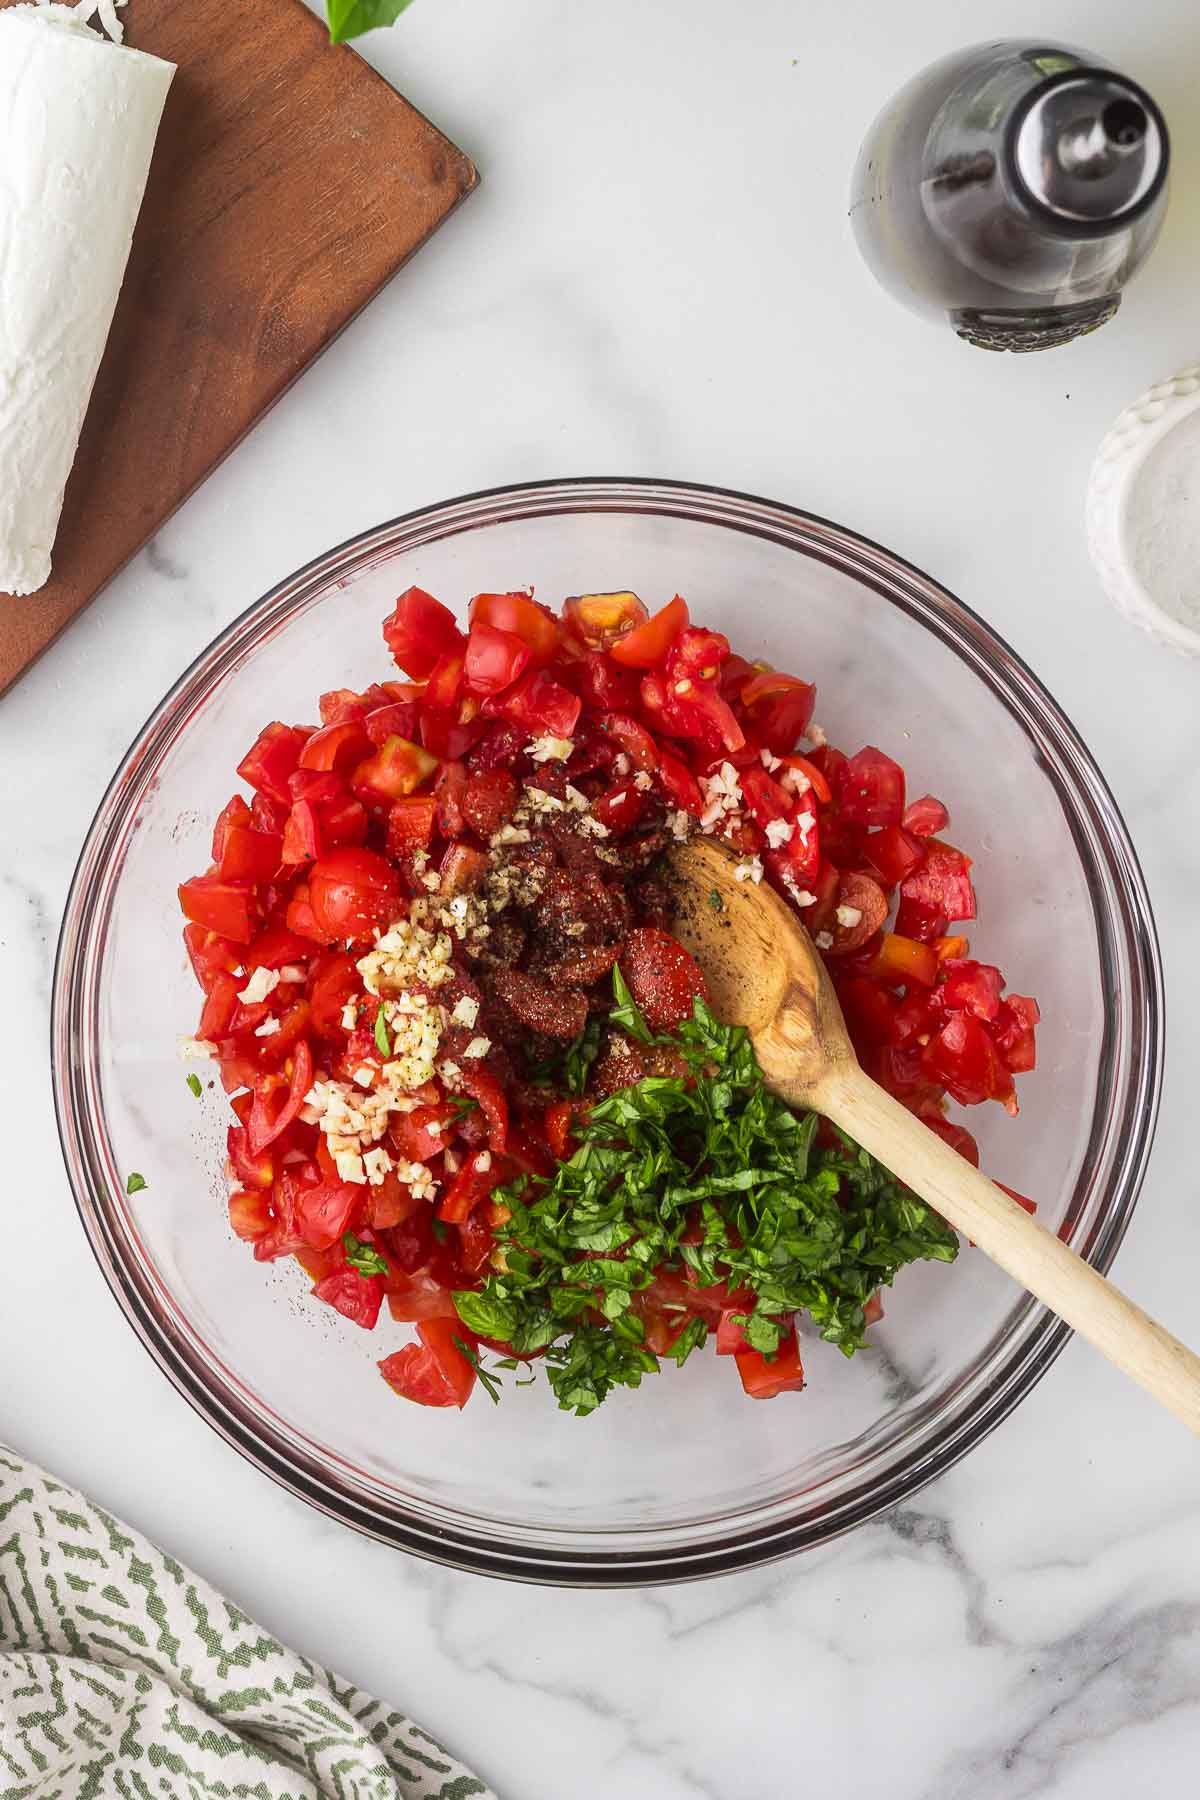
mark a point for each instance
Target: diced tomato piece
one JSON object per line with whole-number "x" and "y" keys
{"x": 253, "y": 1168}
{"x": 474, "y": 1181}
{"x": 490, "y": 800}
{"x": 778, "y": 709}
{"x": 397, "y": 767}
{"x": 500, "y": 748}
{"x": 856, "y": 894}
{"x": 632, "y": 738}
{"x": 956, "y": 1136}
{"x": 873, "y": 1310}
{"x": 925, "y": 817}
{"x": 397, "y": 719}
{"x": 902, "y": 959}
{"x": 235, "y": 812}
{"x": 418, "y": 631}
{"x": 210, "y": 954}
{"x": 319, "y": 787}
{"x": 419, "y": 1296}
{"x": 731, "y": 1335}
{"x": 295, "y": 1024}
{"x": 463, "y": 869}
{"x": 701, "y": 713}
{"x": 972, "y": 987}
{"x": 541, "y": 705}
{"x": 679, "y": 785}
{"x": 303, "y": 840}
{"x": 357, "y": 1297}
{"x": 494, "y": 659}
{"x": 249, "y": 855}
{"x": 948, "y": 949}
{"x": 1016, "y": 1018}
{"x": 445, "y": 682}
{"x": 916, "y": 920}
{"x": 410, "y": 822}
{"x": 963, "y": 1058}
{"x": 277, "y": 1102}
{"x": 620, "y": 808}
{"x": 663, "y": 977}
{"x": 274, "y": 755}
{"x": 942, "y": 883}
{"x": 332, "y": 981}
{"x": 601, "y": 620}
{"x": 869, "y": 1011}
{"x": 894, "y": 852}
{"x": 800, "y": 773}
{"x": 870, "y": 788}
{"x": 783, "y": 1374}
{"x": 250, "y": 1214}
{"x": 646, "y": 645}
{"x": 662, "y": 1328}
{"x": 480, "y": 1085}
{"x": 434, "y": 1373}
{"x": 228, "y": 908}
{"x": 335, "y": 747}
{"x": 324, "y": 1213}
{"x": 605, "y": 685}
{"x": 220, "y": 1005}
{"x": 351, "y": 892}
{"x": 449, "y": 792}
{"x": 521, "y": 616}
{"x": 449, "y": 733}
{"x": 422, "y": 1133}
{"x": 275, "y": 947}
{"x": 344, "y": 822}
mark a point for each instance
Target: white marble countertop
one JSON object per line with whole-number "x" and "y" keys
{"x": 656, "y": 277}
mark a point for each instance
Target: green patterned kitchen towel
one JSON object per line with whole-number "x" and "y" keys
{"x": 122, "y": 1673}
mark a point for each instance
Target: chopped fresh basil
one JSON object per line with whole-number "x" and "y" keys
{"x": 135, "y": 1184}
{"x": 193, "y": 1082}
{"x": 489, "y": 1384}
{"x": 362, "y": 1257}
{"x": 713, "y": 1179}
{"x": 382, "y": 1040}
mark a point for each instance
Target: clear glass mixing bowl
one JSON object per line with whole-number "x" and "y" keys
{"x": 684, "y": 1477}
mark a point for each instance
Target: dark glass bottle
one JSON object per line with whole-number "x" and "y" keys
{"x": 1013, "y": 188}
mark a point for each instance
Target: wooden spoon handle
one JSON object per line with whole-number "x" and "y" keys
{"x": 1041, "y": 1262}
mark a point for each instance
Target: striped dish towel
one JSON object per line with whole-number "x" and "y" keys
{"x": 121, "y": 1673}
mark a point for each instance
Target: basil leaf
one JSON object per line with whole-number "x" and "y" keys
{"x": 350, "y": 18}
{"x": 487, "y": 1315}
{"x": 382, "y": 1041}
{"x": 193, "y": 1082}
{"x": 135, "y": 1184}
{"x": 488, "y": 1383}
{"x": 626, "y": 1012}
{"x": 363, "y": 1257}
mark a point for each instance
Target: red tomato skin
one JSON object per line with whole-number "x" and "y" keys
{"x": 870, "y": 789}
{"x": 227, "y": 908}
{"x": 925, "y": 817}
{"x": 351, "y": 891}
{"x": 763, "y": 1380}
{"x": 418, "y": 631}
{"x": 357, "y": 1297}
{"x": 473, "y": 1182}
{"x": 490, "y": 800}
{"x": 942, "y": 884}
{"x": 647, "y": 644}
{"x": 523, "y": 617}
{"x": 972, "y": 987}
{"x": 274, "y": 755}
{"x": 544, "y": 707}
{"x": 663, "y": 977}
{"x": 494, "y": 659}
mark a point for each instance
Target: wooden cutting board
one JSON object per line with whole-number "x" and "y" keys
{"x": 289, "y": 182}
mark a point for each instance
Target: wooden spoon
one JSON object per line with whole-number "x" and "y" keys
{"x": 764, "y": 973}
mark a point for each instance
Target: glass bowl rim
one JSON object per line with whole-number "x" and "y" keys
{"x": 1033, "y": 1338}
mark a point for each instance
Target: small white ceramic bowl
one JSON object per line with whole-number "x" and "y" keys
{"x": 1143, "y": 512}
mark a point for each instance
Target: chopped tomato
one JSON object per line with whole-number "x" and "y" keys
{"x": 435, "y": 1372}
{"x": 972, "y": 987}
{"x": 663, "y": 977}
{"x": 418, "y": 631}
{"x": 480, "y": 1085}
{"x": 352, "y": 892}
{"x": 781, "y": 1374}
{"x": 410, "y": 822}
{"x": 965, "y": 1061}
{"x": 227, "y": 908}
{"x": 494, "y": 659}
{"x": 894, "y": 852}
{"x": 445, "y": 683}
{"x": 274, "y": 755}
{"x": 520, "y": 616}
{"x": 463, "y": 870}
{"x": 396, "y": 768}
{"x": 647, "y": 644}
{"x": 632, "y": 738}
{"x": 1016, "y": 1018}
{"x": 277, "y": 1101}
{"x": 419, "y": 1296}
{"x": 543, "y": 706}
{"x": 901, "y": 959}
{"x": 474, "y": 1181}
{"x": 925, "y": 817}
{"x": 489, "y": 801}
{"x": 336, "y": 747}
{"x": 601, "y": 620}
{"x": 357, "y": 1297}
{"x": 210, "y": 954}
{"x": 220, "y": 1005}
{"x": 942, "y": 883}
{"x": 805, "y": 774}
{"x": 679, "y": 785}
{"x": 778, "y": 709}
{"x": 620, "y": 808}
{"x": 870, "y": 789}
{"x": 421, "y": 1134}
{"x": 731, "y": 1335}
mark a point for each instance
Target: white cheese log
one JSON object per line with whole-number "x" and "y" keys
{"x": 78, "y": 120}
